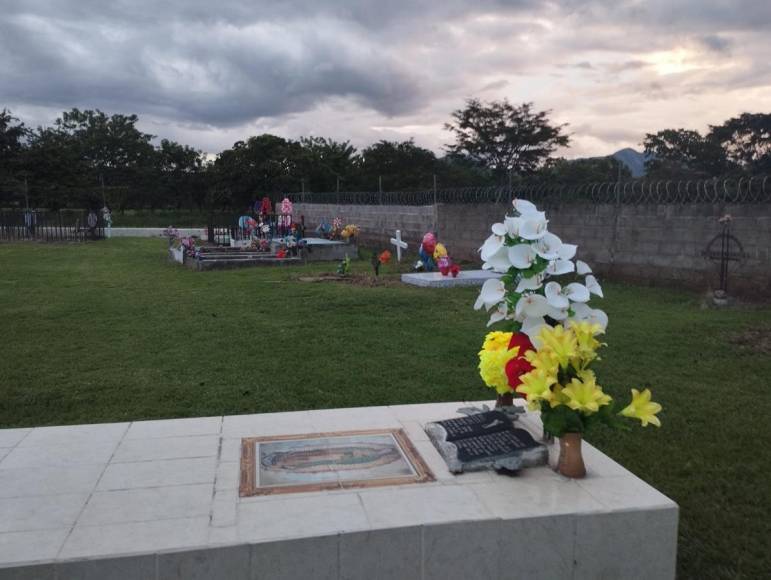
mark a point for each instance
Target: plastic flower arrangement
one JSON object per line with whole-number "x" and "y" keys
{"x": 349, "y": 232}
{"x": 170, "y": 232}
{"x": 546, "y": 356}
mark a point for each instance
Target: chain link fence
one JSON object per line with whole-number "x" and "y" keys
{"x": 742, "y": 190}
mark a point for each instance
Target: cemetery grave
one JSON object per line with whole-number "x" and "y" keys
{"x": 141, "y": 367}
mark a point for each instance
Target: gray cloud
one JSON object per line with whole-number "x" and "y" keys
{"x": 211, "y": 73}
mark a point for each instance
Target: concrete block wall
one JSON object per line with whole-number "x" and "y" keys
{"x": 657, "y": 243}
{"x": 378, "y": 223}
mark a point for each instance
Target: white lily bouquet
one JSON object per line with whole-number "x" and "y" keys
{"x": 529, "y": 257}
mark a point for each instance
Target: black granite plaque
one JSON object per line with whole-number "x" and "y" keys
{"x": 486, "y": 440}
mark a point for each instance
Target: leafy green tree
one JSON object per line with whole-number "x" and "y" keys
{"x": 13, "y": 137}
{"x": 180, "y": 170}
{"x": 324, "y": 163}
{"x": 263, "y": 165}
{"x": 745, "y": 141}
{"x": 505, "y": 138}
{"x": 400, "y": 165}
{"x": 577, "y": 171}
{"x": 682, "y": 153}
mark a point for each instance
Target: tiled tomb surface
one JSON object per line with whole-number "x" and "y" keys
{"x": 160, "y": 500}
{"x": 436, "y": 280}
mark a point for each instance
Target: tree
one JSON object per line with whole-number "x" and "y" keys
{"x": 13, "y": 136}
{"x": 180, "y": 168}
{"x": 590, "y": 170}
{"x": 322, "y": 162}
{"x": 679, "y": 153}
{"x": 503, "y": 137}
{"x": 746, "y": 141}
{"x": 401, "y": 165}
{"x": 259, "y": 166}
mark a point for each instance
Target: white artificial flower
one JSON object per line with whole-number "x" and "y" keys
{"x": 591, "y": 315}
{"x": 512, "y": 225}
{"x": 491, "y": 245}
{"x": 531, "y": 305}
{"x": 523, "y": 206}
{"x": 567, "y": 251}
{"x": 576, "y": 292}
{"x": 559, "y": 267}
{"x": 558, "y": 313}
{"x": 522, "y": 256}
{"x": 493, "y": 291}
{"x": 532, "y": 283}
{"x": 594, "y": 286}
{"x": 582, "y": 268}
{"x": 533, "y": 226}
{"x": 548, "y": 246}
{"x": 500, "y": 313}
{"x": 555, "y": 297}
{"x": 499, "y": 261}
{"x": 499, "y": 229}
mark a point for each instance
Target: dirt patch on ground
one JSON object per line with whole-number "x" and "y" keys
{"x": 354, "y": 279}
{"x": 757, "y": 340}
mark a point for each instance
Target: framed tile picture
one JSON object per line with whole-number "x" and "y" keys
{"x": 338, "y": 460}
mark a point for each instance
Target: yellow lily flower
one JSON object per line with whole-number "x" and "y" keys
{"x": 561, "y": 343}
{"x": 536, "y": 386}
{"x": 584, "y": 395}
{"x": 587, "y": 345}
{"x": 543, "y": 359}
{"x": 643, "y": 408}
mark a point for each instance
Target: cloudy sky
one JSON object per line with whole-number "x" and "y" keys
{"x": 208, "y": 73}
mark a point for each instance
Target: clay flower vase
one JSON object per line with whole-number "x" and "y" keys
{"x": 571, "y": 461}
{"x": 506, "y": 400}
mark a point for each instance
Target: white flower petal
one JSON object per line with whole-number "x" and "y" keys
{"x": 581, "y": 311}
{"x": 498, "y": 262}
{"x": 532, "y": 305}
{"x": 533, "y": 228}
{"x": 492, "y": 292}
{"x": 582, "y": 268}
{"x": 499, "y": 229}
{"x": 512, "y": 225}
{"x": 554, "y": 296}
{"x": 577, "y": 292}
{"x": 524, "y": 206}
{"x": 599, "y": 317}
{"x": 532, "y": 283}
{"x": 559, "y": 267}
{"x": 522, "y": 256}
{"x": 594, "y": 286}
{"x": 498, "y": 314}
{"x": 548, "y": 246}
{"x": 558, "y": 313}
{"x": 491, "y": 245}
{"x": 591, "y": 315}
{"x": 532, "y": 326}
{"x": 567, "y": 251}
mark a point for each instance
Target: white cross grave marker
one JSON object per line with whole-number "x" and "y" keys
{"x": 400, "y": 245}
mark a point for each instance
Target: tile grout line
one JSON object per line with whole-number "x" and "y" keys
{"x": 91, "y": 493}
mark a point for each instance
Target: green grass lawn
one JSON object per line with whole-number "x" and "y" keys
{"x": 111, "y": 331}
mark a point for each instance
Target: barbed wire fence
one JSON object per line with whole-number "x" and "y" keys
{"x": 742, "y": 190}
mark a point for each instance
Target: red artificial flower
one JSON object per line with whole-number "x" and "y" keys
{"x": 444, "y": 270}
{"x": 281, "y": 254}
{"x": 454, "y": 270}
{"x": 518, "y": 366}
{"x": 384, "y": 257}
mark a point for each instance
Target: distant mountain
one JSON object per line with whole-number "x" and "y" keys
{"x": 634, "y": 160}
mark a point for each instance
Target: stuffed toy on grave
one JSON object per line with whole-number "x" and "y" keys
{"x": 433, "y": 256}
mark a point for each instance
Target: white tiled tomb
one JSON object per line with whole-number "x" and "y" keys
{"x": 160, "y": 500}
{"x": 437, "y": 280}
